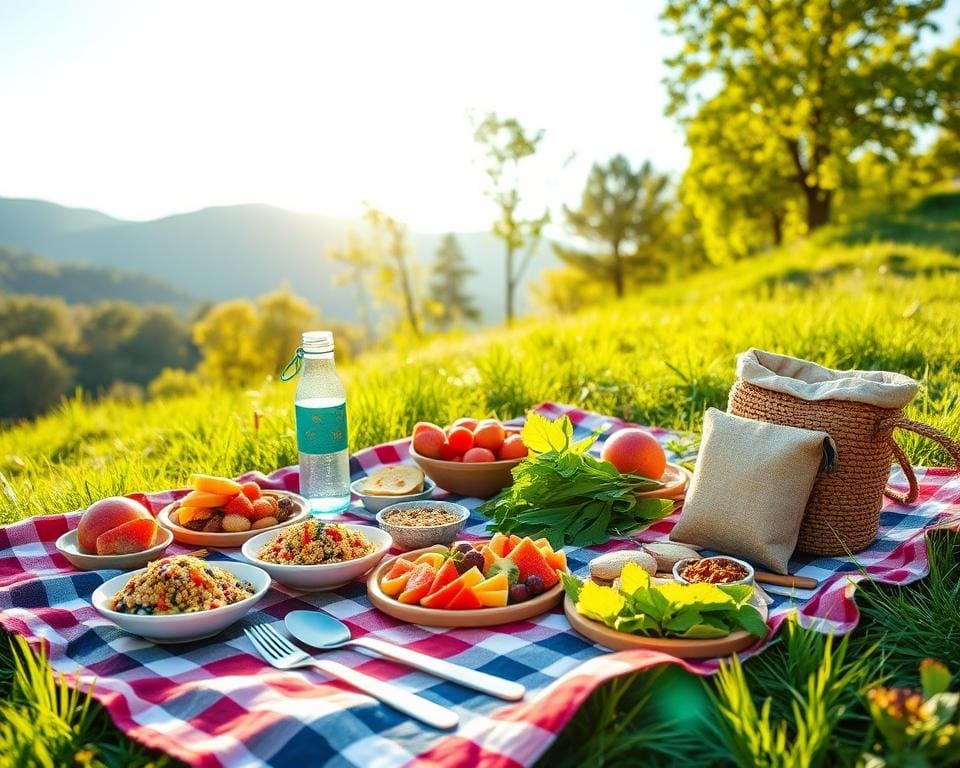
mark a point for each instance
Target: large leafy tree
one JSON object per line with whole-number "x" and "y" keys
{"x": 448, "y": 286}
{"x": 506, "y": 145}
{"x": 622, "y": 214}
{"x": 825, "y": 78}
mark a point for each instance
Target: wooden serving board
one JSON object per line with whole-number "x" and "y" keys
{"x": 225, "y": 539}
{"x": 439, "y": 617}
{"x": 683, "y": 649}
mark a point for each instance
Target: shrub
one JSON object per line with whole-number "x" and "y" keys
{"x": 32, "y": 377}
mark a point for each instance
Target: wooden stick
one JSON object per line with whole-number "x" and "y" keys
{"x": 780, "y": 580}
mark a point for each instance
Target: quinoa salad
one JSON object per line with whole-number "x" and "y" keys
{"x": 315, "y": 543}
{"x": 180, "y": 584}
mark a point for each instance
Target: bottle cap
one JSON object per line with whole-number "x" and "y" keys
{"x": 317, "y": 342}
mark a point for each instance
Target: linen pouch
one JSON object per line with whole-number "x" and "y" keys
{"x": 750, "y": 487}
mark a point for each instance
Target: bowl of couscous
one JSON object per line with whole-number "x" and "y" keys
{"x": 315, "y": 555}
{"x": 181, "y": 598}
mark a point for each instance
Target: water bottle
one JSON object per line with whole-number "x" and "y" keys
{"x": 321, "y": 410}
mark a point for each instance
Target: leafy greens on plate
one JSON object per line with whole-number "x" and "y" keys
{"x": 562, "y": 493}
{"x": 687, "y": 611}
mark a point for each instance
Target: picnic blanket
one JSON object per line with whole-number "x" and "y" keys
{"x": 215, "y": 702}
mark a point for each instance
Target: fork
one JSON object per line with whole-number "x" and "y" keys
{"x": 282, "y": 654}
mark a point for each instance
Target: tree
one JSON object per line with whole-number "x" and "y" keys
{"x": 360, "y": 263}
{"x": 104, "y": 329}
{"x": 450, "y": 272}
{"x": 159, "y": 340}
{"x": 282, "y": 319}
{"x": 32, "y": 377}
{"x": 624, "y": 211}
{"x": 227, "y": 339}
{"x": 565, "y": 291}
{"x": 825, "y": 78}
{"x": 40, "y": 317}
{"x": 394, "y": 269}
{"x": 507, "y": 145}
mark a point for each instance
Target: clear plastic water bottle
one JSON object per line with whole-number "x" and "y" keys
{"x": 321, "y": 408}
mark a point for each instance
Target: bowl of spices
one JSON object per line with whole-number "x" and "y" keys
{"x": 418, "y": 524}
{"x": 723, "y": 570}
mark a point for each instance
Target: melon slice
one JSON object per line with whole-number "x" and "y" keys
{"x": 543, "y": 544}
{"x": 464, "y": 600}
{"x": 400, "y": 565}
{"x": 530, "y": 561}
{"x": 396, "y": 585}
{"x": 222, "y": 486}
{"x": 489, "y": 557}
{"x": 434, "y": 558}
{"x": 497, "y": 583}
{"x": 557, "y": 560}
{"x": 498, "y": 544}
{"x": 204, "y": 499}
{"x": 441, "y": 597}
{"x": 492, "y": 598}
{"x": 419, "y": 582}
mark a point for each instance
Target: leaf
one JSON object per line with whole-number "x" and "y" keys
{"x": 541, "y": 435}
{"x": 934, "y": 677}
{"x": 684, "y": 621}
{"x": 639, "y": 624}
{"x": 750, "y": 619}
{"x": 572, "y": 586}
{"x": 740, "y": 593}
{"x": 703, "y": 632}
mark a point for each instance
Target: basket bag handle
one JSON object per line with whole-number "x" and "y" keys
{"x": 952, "y": 447}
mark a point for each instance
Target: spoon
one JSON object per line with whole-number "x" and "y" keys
{"x": 321, "y": 630}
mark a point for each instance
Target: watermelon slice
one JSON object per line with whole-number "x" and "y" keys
{"x": 448, "y": 573}
{"x": 419, "y": 582}
{"x": 465, "y": 600}
{"x": 498, "y": 544}
{"x": 400, "y": 565}
{"x": 531, "y": 560}
{"x": 443, "y": 596}
{"x": 492, "y": 598}
{"x": 497, "y": 583}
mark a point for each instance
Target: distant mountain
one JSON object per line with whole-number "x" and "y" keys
{"x": 236, "y": 251}
{"x": 22, "y": 272}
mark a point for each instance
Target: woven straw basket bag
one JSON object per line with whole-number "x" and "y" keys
{"x": 859, "y": 410}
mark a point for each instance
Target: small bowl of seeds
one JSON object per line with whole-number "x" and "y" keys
{"x": 418, "y": 524}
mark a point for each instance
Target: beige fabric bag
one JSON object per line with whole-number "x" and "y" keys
{"x": 750, "y": 487}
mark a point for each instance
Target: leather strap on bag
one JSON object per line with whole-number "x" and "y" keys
{"x": 951, "y": 446}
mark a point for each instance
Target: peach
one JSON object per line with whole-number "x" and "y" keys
{"x": 512, "y": 448}
{"x": 489, "y": 434}
{"x": 470, "y": 424}
{"x": 135, "y": 536}
{"x": 106, "y": 514}
{"x": 635, "y": 451}
{"x": 475, "y": 455}
{"x": 428, "y": 439}
{"x": 448, "y": 452}
{"x": 460, "y": 439}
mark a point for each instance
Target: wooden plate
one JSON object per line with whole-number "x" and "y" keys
{"x": 684, "y": 649}
{"x": 439, "y": 617}
{"x": 675, "y": 480}
{"x": 203, "y": 539}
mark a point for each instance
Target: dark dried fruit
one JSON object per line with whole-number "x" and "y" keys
{"x": 197, "y": 525}
{"x": 213, "y": 524}
{"x": 285, "y": 507}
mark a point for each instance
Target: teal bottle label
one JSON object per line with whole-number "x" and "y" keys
{"x": 322, "y": 430}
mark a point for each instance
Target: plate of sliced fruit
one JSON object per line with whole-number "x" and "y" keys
{"x": 220, "y": 512}
{"x": 471, "y": 584}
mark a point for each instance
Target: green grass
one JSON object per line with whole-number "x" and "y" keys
{"x": 660, "y": 357}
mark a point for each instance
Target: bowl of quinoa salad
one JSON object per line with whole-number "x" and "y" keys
{"x": 181, "y": 598}
{"x": 316, "y": 555}
{"x": 419, "y": 524}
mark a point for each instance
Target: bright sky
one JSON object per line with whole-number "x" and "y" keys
{"x": 145, "y": 109}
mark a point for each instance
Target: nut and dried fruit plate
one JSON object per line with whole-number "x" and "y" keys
{"x": 443, "y": 617}
{"x": 601, "y": 634}
{"x": 230, "y": 539}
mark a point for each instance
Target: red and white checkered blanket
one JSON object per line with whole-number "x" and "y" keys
{"x": 215, "y": 702}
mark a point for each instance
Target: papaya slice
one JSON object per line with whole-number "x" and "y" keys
{"x": 222, "y": 486}
{"x": 497, "y": 583}
{"x": 396, "y": 585}
{"x": 557, "y": 560}
{"x": 530, "y": 561}
{"x": 498, "y": 544}
{"x": 418, "y": 583}
{"x": 464, "y": 600}
{"x": 204, "y": 499}
{"x": 448, "y": 573}
{"x": 400, "y": 565}
{"x": 443, "y": 596}
{"x": 492, "y": 598}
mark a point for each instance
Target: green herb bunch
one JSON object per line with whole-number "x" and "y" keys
{"x": 562, "y": 493}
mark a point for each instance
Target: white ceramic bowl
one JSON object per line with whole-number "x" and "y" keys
{"x": 375, "y": 503}
{"x": 183, "y": 627}
{"x": 416, "y": 537}
{"x": 320, "y": 578}
{"x": 68, "y": 547}
{"x": 681, "y": 564}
